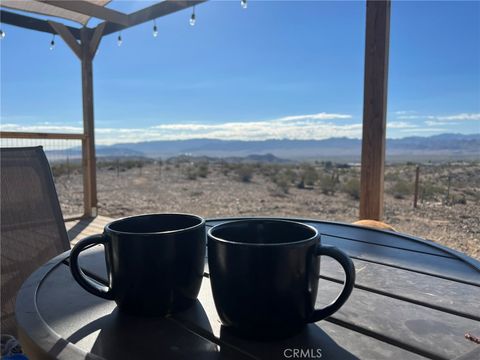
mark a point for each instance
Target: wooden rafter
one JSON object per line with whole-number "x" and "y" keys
{"x": 91, "y": 9}
{"x": 32, "y": 23}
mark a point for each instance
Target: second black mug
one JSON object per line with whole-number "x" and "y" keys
{"x": 154, "y": 262}
{"x": 264, "y": 275}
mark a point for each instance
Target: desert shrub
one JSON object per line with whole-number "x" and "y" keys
{"x": 244, "y": 172}
{"x": 392, "y": 176}
{"x": 202, "y": 169}
{"x": 458, "y": 199}
{"x": 352, "y": 188}
{"x": 328, "y": 183}
{"x": 225, "y": 168}
{"x": 430, "y": 191}
{"x": 472, "y": 194}
{"x": 328, "y": 165}
{"x": 401, "y": 189}
{"x": 283, "y": 182}
{"x": 191, "y": 172}
{"x": 269, "y": 170}
{"x": 59, "y": 169}
{"x": 308, "y": 176}
{"x": 290, "y": 175}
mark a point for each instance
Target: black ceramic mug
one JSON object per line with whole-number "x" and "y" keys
{"x": 154, "y": 262}
{"x": 264, "y": 275}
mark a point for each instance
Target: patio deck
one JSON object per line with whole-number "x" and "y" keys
{"x": 81, "y": 228}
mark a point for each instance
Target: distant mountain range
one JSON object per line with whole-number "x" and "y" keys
{"x": 435, "y": 148}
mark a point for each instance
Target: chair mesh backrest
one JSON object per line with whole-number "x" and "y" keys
{"x": 31, "y": 223}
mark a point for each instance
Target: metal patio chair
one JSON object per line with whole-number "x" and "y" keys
{"x": 32, "y": 229}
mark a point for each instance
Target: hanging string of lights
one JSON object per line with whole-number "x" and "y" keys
{"x": 155, "y": 29}
{"x": 192, "y": 22}
{"x": 119, "y": 39}
{"x": 192, "y": 18}
{"x": 52, "y": 43}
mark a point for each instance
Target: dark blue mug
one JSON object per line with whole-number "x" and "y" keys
{"x": 264, "y": 275}
{"x": 155, "y": 263}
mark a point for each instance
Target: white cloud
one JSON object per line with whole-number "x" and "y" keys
{"x": 460, "y": 117}
{"x": 41, "y": 127}
{"x": 408, "y": 117}
{"x": 400, "y": 125}
{"x": 305, "y": 127}
{"x": 437, "y": 123}
{"x": 404, "y": 112}
{"x": 423, "y": 130}
{"x": 319, "y": 116}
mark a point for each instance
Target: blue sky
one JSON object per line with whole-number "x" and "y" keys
{"x": 279, "y": 69}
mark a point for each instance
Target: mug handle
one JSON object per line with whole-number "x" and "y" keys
{"x": 88, "y": 284}
{"x": 349, "y": 269}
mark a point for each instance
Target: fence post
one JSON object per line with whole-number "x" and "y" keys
{"x": 417, "y": 176}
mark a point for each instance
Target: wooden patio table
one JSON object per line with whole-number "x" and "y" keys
{"x": 413, "y": 299}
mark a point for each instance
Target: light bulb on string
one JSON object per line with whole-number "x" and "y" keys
{"x": 192, "y": 18}
{"x": 52, "y": 43}
{"x": 155, "y": 29}
{"x": 2, "y": 34}
{"x": 244, "y": 4}
{"x": 119, "y": 39}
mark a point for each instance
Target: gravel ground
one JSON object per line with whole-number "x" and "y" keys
{"x": 167, "y": 189}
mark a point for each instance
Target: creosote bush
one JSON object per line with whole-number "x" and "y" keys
{"x": 244, "y": 172}
{"x": 401, "y": 189}
{"x": 352, "y": 188}
{"x": 328, "y": 183}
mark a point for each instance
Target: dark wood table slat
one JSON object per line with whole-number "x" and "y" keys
{"x": 428, "y": 290}
{"x": 415, "y": 326}
{"x": 378, "y": 237}
{"x": 447, "y": 268}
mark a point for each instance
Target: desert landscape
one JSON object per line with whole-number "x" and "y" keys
{"x": 448, "y": 210}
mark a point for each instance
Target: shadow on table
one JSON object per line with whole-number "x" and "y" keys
{"x": 311, "y": 343}
{"x": 127, "y": 337}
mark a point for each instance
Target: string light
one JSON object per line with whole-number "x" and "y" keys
{"x": 155, "y": 29}
{"x": 192, "y": 18}
{"x": 119, "y": 39}
{"x": 52, "y": 43}
{"x": 2, "y": 34}
{"x": 244, "y": 4}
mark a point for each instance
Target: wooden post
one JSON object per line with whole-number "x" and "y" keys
{"x": 417, "y": 177}
{"x": 89, "y": 164}
{"x": 374, "y": 109}
{"x": 85, "y": 51}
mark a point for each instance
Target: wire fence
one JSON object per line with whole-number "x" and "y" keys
{"x": 65, "y": 159}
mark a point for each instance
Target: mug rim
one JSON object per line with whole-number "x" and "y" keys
{"x": 316, "y": 234}
{"x": 109, "y": 229}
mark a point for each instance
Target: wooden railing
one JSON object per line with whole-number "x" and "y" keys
{"x": 88, "y": 163}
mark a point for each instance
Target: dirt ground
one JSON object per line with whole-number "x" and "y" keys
{"x": 166, "y": 188}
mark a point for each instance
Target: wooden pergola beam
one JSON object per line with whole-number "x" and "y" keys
{"x": 375, "y": 109}
{"x": 96, "y": 38}
{"x": 67, "y": 36}
{"x": 32, "y": 23}
{"x": 155, "y": 11}
{"x": 90, "y": 9}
